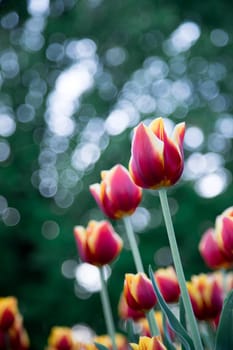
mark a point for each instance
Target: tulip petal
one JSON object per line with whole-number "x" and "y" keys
{"x": 157, "y": 126}
{"x": 224, "y": 231}
{"x": 99, "y": 193}
{"x": 146, "y": 164}
{"x": 173, "y": 149}
{"x": 81, "y": 242}
{"x": 122, "y": 191}
{"x": 178, "y": 136}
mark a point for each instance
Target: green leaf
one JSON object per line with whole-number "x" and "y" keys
{"x": 167, "y": 339}
{"x": 174, "y": 322}
{"x": 224, "y": 338}
{"x": 182, "y": 315}
{"x": 101, "y": 346}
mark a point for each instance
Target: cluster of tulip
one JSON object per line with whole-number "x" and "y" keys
{"x": 149, "y": 304}
{"x": 156, "y": 163}
{"x": 12, "y": 332}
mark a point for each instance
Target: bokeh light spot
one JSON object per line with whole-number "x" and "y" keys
{"x": 50, "y": 229}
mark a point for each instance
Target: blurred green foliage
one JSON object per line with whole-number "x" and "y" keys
{"x": 129, "y": 58}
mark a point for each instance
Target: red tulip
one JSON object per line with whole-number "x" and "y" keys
{"x": 156, "y": 159}
{"x": 8, "y": 312}
{"x": 139, "y": 292}
{"x": 206, "y": 296}
{"x": 98, "y": 244}
{"x": 61, "y": 338}
{"x": 117, "y": 195}
{"x": 168, "y": 284}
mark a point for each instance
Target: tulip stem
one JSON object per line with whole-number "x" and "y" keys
{"x": 107, "y": 309}
{"x": 133, "y": 244}
{"x": 139, "y": 267}
{"x": 179, "y": 270}
{"x": 154, "y": 330}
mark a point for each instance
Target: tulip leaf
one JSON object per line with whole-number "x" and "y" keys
{"x": 101, "y": 346}
{"x": 166, "y": 335}
{"x": 182, "y": 315}
{"x": 180, "y": 331}
{"x": 224, "y": 339}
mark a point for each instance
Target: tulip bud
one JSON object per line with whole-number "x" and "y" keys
{"x": 156, "y": 159}
{"x": 117, "y": 195}
{"x": 139, "y": 292}
{"x": 168, "y": 284}
{"x": 98, "y": 244}
{"x": 146, "y": 343}
{"x": 206, "y": 295}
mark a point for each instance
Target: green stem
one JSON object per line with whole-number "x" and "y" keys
{"x": 179, "y": 270}
{"x": 107, "y": 310}
{"x": 133, "y": 244}
{"x": 152, "y": 323}
{"x": 139, "y": 267}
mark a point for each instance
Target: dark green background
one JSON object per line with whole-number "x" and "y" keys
{"x": 30, "y": 264}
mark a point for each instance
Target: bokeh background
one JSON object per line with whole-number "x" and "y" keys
{"x": 75, "y": 78}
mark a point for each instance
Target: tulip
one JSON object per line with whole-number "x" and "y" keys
{"x": 139, "y": 292}
{"x": 168, "y": 284}
{"x": 12, "y": 332}
{"x": 206, "y": 296}
{"x": 98, "y": 244}
{"x": 8, "y": 312}
{"x": 211, "y": 252}
{"x": 61, "y": 338}
{"x": 156, "y": 159}
{"x": 117, "y": 195}
{"x": 224, "y": 232}
{"x": 146, "y": 343}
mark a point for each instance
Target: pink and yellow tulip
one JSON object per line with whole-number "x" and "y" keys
{"x": 139, "y": 292}
{"x": 168, "y": 284}
{"x": 216, "y": 245}
{"x": 206, "y": 294}
{"x": 147, "y": 343}
{"x": 156, "y": 159}
{"x": 61, "y": 338}
{"x": 8, "y": 312}
{"x": 116, "y": 195}
{"x": 98, "y": 244}
{"x": 12, "y": 332}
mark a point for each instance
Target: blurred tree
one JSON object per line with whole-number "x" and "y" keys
{"x": 75, "y": 78}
